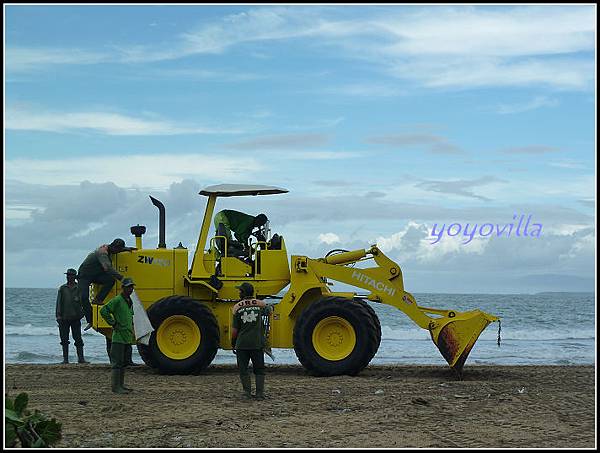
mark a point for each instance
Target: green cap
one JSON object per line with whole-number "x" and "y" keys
{"x": 127, "y": 282}
{"x": 71, "y": 272}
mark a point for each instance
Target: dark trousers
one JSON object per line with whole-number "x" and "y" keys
{"x": 258, "y": 361}
{"x": 107, "y": 281}
{"x": 128, "y": 351}
{"x": 74, "y": 325}
{"x": 117, "y": 355}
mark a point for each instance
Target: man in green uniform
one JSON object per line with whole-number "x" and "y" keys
{"x": 242, "y": 226}
{"x": 248, "y": 339}
{"x": 97, "y": 268}
{"x": 118, "y": 313}
{"x": 69, "y": 312}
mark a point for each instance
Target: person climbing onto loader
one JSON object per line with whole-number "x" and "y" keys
{"x": 248, "y": 339}
{"x": 243, "y": 226}
{"x": 97, "y": 268}
{"x": 118, "y": 313}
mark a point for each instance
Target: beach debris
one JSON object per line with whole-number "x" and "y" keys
{"x": 378, "y": 392}
{"x": 420, "y": 401}
{"x": 461, "y": 396}
{"x": 336, "y": 391}
{"x": 522, "y": 390}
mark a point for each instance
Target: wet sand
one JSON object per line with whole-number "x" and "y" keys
{"x": 384, "y": 406}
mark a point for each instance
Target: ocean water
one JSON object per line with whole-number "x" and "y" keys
{"x": 538, "y": 329}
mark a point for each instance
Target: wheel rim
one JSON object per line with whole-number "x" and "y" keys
{"x": 178, "y": 337}
{"x": 334, "y": 338}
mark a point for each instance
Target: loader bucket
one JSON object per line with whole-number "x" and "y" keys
{"x": 455, "y": 336}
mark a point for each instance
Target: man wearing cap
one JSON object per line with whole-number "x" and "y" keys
{"x": 118, "y": 313}
{"x": 241, "y": 224}
{"x": 69, "y": 312}
{"x": 97, "y": 268}
{"x": 248, "y": 339}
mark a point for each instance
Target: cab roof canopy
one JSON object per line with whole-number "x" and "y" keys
{"x": 238, "y": 190}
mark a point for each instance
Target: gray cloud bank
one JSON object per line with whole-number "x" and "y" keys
{"x": 67, "y": 222}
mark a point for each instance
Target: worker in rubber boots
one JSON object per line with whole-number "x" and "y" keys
{"x": 69, "y": 312}
{"x": 97, "y": 268}
{"x": 248, "y": 339}
{"x": 118, "y": 313}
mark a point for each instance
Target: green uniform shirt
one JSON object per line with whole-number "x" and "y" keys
{"x": 119, "y": 314}
{"x": 68, "y": 303}
{"x": 98, "y": 262}
{"x": 248, "y": 322}
{"x": 238, "y": 222}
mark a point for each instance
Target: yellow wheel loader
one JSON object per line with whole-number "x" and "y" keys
{"x": 332, "y": 333}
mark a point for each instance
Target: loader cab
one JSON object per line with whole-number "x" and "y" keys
{"x": 264, "y": 263}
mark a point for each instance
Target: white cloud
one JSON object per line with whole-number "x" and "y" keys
{"x": 329, "y": 238}
{"x": 22, "y": 59}
{"x": 102, "y": 122}
{"x": 156, "y": 171}
{"x": 443, "y": 47}
{"x": 536, "y": 103}
{"x": 506, "y": 32}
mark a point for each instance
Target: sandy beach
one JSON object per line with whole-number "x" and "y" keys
{"x": 384, "y": 406}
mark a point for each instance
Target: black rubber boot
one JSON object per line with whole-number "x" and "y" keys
{"x": 80, "y": 357}
{"x": 115, "y": 381}
{"x": 122, "y": 381}
{"x": 65, "y": 348}
{"x": 260, "y": 386}
{"x": 246, "y": 385}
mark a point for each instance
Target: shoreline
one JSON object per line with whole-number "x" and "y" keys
{"x": 386, "y": 406}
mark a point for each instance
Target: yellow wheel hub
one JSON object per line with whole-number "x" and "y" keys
{"x": 334, "y": 338}
{"x": 178, "y": 337}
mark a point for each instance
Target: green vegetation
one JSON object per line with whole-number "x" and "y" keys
{"x": 24, "y": 429}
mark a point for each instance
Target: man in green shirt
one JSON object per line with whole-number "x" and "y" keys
{"x": 69, "y": 312}
{"x": 242, "y": 226}
{"x": 118, "y": 313}
{"x": 248, "y": 339}
{"x": 97, "y": 268}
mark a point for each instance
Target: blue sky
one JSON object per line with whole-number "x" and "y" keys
{"x": 382, "y": 121}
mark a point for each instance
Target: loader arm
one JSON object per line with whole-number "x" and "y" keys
{"x": 454, "y": 333}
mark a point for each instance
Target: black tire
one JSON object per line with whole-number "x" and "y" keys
{"x": 204, "y": 319}
{"x": 375, "y": 319}
{"x": 367, "y": 332}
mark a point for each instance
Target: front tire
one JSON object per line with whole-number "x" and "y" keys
{"x": 336, "y": 336}
{"x": 185, "y": 339}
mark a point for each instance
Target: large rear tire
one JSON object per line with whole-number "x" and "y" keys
{"x": 336, "y": 336}
{"x": 185, "y": 339}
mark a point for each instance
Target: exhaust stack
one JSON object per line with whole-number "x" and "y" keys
{"x": 161, "y": 222}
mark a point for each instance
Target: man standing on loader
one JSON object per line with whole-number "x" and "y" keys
{"x": 97, "y": 268}
{"x": 118, "y": 313}
{"x": 69, "y": 312}
{"x": 248, "y": 339}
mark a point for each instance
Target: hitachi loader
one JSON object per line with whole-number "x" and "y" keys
{"x": 332, "y": 333}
